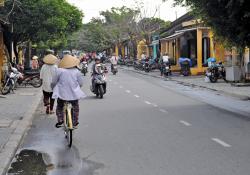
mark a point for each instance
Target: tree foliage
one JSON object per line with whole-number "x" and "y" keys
{"x": 114, "y": 27}
{"x": 230, "y": 19}
{"x": 41, "y": 20}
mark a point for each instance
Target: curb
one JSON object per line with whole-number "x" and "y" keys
{"x": 11, "y": 146}
{"x": 241, "y": 97}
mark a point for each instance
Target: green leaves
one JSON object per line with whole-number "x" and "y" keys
{"x": 230, "y": 19}
{"x": 44, "y": 20}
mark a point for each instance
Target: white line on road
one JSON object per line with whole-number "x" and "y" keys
{"x": 128, "y": 91}
{"x": 185, "y": 123}
{"x": 163, "y": 110}
{"x": 221, "y": 142}
{"x": 147, "y": 102}
{"x": 115, "y": 83}
{"x": 121, "y": 87}
{"x": 155, "y": 105}
{"x": 137, "y": 96}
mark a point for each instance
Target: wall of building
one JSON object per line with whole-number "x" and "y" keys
{"x": 1, "y": 56}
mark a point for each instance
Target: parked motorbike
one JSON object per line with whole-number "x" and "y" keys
{"x": 84, "y": 69}
{"x": 10, "y": 81}
{"x": 30, "y": 78}
{"x": 185, "y": 64}
{"x": 114, "y": 69}
{"x": 215, "y": 72}
{"x": 99, "y": 83}
{"x": 146, "y": 66}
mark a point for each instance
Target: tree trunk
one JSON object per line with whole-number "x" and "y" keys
{"x": 15, "y": 51}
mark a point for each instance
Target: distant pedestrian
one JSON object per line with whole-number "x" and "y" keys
{"x": 47, "y": 73}
{"x": 34, "y": 63}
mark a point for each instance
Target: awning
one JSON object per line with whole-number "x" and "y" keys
{"x": 171, "y": 37}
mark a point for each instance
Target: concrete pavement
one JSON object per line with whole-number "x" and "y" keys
{"x": 16, "y": 117}
{"x": 144, "y": 127}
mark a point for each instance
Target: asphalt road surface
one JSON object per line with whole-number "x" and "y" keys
{"x": 142, "y": 127}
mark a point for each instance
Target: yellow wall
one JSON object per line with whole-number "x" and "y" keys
{"x": 142, "y": 47}
{"x": 1, "y": 56}
{"x": 116, "y": 50}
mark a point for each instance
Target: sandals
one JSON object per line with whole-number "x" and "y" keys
{"x": 51, "y": 112}
{"x": 47, "y": 110}
{"x": 59, "y": 125}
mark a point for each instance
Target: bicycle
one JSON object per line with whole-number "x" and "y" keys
{"x": 68, "y": 123}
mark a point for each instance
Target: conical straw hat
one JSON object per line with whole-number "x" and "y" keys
{"x": 69, "y": 61}
{"x": 50, "y": 59}
{"x": 34, "y": 58}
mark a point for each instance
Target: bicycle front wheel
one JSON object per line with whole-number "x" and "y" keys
{"x": 69, "y": 136}
{"x": 69, "y": 127}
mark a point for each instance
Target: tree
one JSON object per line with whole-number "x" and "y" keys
{"x": 230, "y": 19}
{"x": 42, "y": 20}
{"x": 120, "y": 24}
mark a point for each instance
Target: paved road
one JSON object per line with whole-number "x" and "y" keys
{"x": 142, "y": 127}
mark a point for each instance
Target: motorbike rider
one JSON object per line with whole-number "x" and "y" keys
{"x": 67, "y": 88}
{"x": 113, "y": 60}
{"x": 164, "y": 62}
{"x": 94, "y": 72}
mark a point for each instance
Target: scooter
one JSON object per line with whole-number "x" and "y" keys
{"x": 10, "y": 81}
{"x": 215, "y": 72}
{"x": 185, "y": 64}
{"x": 166, "y": 69}
{"x": 84, "y": 69}
{"x": 99, "y": 83}
{"x": 114, "y": 69}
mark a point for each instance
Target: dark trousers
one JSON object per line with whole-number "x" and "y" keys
{"x": 48, "y": 100}
{"x": 60, "y": 112}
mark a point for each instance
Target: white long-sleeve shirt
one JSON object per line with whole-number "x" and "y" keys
{"x": 46, "y": 74}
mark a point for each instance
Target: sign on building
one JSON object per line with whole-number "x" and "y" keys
{"x": 1, "y": 3}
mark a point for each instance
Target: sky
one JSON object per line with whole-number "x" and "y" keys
{"x": 91, "y": 8}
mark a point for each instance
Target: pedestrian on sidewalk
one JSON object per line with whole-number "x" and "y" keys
{"x": 34, "y": 63}
{"x": 47, "y": 73}
{"x": 67, "y": 88}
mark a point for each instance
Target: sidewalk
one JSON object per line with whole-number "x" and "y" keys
{"x": 16, "y": 114}
{"x": 222, "y": 87}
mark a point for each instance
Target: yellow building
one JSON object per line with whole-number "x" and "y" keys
{"x": 1, "y": 54}
{"x": 189, "y": 38}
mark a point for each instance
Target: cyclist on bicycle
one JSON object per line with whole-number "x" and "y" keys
{"x": 67, "y": 88}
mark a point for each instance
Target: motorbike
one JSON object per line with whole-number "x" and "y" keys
{"x": 84, "y": 69}
{"x": 215, "y": 72}
{"x": 99, "y": 83}
{"x": 185, "y": 66}
{"x": 166, "y": 69}
{"x": 146, "y": 66}
{"x": 30, "y": 78}
{"x": 114, "y": 69}
{"x": 10, "y": 81}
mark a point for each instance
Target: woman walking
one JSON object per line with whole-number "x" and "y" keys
{"x": 47, "y": 73}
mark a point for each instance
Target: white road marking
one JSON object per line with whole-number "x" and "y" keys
{"x": 120, "y": 87}
{"x": 155, "y": 105}
{"x": 137, "y": 96}
{"x": 115, "y": 83}
{"x": 110, "y": 80}
{"x": 221, "y": 142}
{"x": 128, "y": 91}
{"x": 163, "y": 110}
{"x": 147, "y": 102}
{"x": 185, "y": 123}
